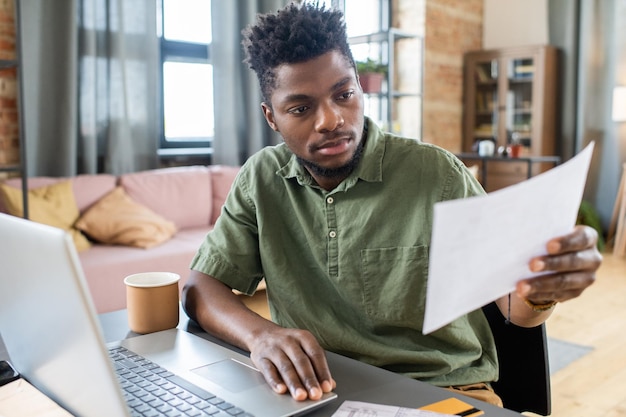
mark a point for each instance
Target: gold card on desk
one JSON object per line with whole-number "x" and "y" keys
{"x": 453, "y": 406}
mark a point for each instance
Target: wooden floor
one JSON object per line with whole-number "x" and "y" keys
{"x": 594, "y": 385}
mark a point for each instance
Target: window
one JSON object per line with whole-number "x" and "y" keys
{"x": 362, "y": 16}
{"x": 187, "y": 74}
{"x": 398, "y": 106}
{"x": 365, "y": 18}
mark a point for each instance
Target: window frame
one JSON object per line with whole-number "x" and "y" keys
{"x": 185, "y": 52}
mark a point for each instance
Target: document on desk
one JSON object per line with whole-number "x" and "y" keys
{"x": 362, "y": 409}
{"x": 481, "y": 246}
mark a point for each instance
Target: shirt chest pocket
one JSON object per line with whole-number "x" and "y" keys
{"x": 394, "y": 285}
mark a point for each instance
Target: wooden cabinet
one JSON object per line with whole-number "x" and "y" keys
{"x": 510, "y": 97}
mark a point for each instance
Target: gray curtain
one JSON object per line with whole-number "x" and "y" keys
{"x": 240, "y": 128}
{"x": 592, "y": 36}
{"x": 91, "y": 86}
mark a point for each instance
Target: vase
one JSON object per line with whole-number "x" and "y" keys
{"x": 371, "y": 82}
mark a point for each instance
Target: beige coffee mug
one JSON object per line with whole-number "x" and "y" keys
{"x": 152, "y": 301}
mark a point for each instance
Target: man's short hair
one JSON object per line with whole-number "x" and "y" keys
{"x": 294, "y": 34}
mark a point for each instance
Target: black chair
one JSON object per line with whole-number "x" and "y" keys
{"x": 524, "y": 382}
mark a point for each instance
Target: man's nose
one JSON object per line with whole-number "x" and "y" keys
{"x": 329, "y": 118}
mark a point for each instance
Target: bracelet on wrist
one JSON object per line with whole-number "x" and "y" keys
{"x": 538, "y": 308}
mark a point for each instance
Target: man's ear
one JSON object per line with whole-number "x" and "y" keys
{"x": 269, "y": 116}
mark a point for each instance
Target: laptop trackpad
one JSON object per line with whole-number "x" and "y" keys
{"x": 231, "y": 374}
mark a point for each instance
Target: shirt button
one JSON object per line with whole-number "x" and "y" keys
{"x": 332, "y": 234}
{"x": 330, "y": 200}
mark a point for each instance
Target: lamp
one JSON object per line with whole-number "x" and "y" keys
{"x": 619, "y": 104}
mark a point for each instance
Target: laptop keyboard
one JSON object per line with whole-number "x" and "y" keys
{"x": 152, "y": 391}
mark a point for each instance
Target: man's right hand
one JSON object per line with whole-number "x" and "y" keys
{"x": 290, "y": 360}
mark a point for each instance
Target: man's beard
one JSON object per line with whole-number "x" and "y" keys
{"x": 339, "y": 172}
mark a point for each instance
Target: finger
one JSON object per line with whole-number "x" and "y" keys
{"x": 306, "y": 375}
{"x": 280, "y": 374}
{"x": 271, "y": 375}
{"x": 589, "y": 260}
{"x": 583, "y": 237}
{"x": 555, "y": 287}
{"x": 296, "y": 371}
{"x": 317, "y": 358}
{"x": 310, "y": 362}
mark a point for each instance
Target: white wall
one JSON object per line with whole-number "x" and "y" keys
{"x": 515, "y": 23}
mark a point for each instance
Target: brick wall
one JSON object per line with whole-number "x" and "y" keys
{"x": 452, "y": 27}
{"x": 9, "y": 124}
{"x": 449, "y": 28}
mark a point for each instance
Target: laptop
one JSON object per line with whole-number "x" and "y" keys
{"x": 51, "y": 331}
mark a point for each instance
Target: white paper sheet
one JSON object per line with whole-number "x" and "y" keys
{"x": 481, "y": 246}
{"x": 361, "y": 409}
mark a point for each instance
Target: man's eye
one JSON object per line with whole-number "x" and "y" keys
{"x": 347, "y": 95}
{"x": 298, "y": 110}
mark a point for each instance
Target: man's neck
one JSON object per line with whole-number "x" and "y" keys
{"x": 327, "y": 183}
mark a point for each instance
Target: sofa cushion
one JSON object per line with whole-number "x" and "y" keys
{"x": 222, "y": 177}
{"x": 53, "y": 205}
{"x": 118, "y": 220}
{"x": 88, "y": 188}
{"x": 182, "y": 195}
{"x": 106, "y": 266}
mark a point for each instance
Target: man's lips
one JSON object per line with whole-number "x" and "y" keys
{"x": 334, "y": 148}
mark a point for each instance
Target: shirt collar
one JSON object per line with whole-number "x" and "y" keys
{"x": 369, "y": 168}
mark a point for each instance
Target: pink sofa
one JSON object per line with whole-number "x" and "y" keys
{"x": 189, "y": 197}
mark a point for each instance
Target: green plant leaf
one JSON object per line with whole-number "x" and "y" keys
{"x": 370, "y": 65}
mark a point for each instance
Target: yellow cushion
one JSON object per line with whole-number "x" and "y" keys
{"x": 118, "y": 220}
{"x": 474, "y": 170}
{"x": 53, "y": 205}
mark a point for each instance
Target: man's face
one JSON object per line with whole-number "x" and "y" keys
{"x": 317, "y": 106}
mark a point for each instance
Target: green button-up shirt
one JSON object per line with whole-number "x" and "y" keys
{"x": 351, "y": 265}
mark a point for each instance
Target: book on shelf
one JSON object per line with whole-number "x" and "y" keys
{"x": 481, "y": 74}
{"x": 484, "y": 130}
{"x": 485, "y": 101}
{"x": 524, "y": 69}
{"x": 485, "y": 72}
{"x": 522, "y": 72}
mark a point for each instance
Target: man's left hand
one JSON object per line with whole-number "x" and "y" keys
{"x": 570, "y": 266}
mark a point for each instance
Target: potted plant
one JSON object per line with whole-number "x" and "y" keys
{"x": 371, "y": 75}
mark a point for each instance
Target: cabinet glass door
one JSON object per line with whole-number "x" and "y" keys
{"x": 487, "y": 105}
{"x": 519, "y": 100}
